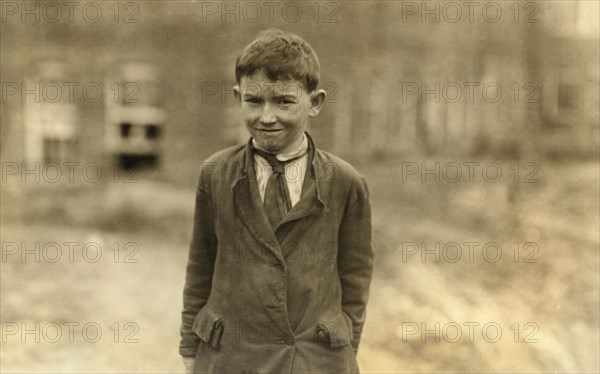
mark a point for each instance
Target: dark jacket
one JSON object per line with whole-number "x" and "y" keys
{"x": 289, "y": 301}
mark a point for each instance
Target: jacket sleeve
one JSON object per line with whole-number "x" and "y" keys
{"x": 200, "y": 267}
{"x": 355, "y": 256}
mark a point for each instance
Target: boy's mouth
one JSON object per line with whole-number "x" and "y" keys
{"x": 270, "y": 130}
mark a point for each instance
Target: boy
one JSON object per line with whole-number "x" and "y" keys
{"x": 280, "y": 261}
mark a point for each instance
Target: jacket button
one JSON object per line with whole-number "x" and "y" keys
{"x": 290, "y": 341}
{"x": 323, "y": 336}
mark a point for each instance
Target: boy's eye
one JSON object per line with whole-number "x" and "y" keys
{"x": 252, "y": 100}
{"x": 285, "y": 101}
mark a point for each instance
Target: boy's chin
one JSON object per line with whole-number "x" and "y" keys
{"x": 276, "y": 144}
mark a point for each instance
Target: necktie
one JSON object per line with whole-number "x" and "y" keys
{"x": 277, "y": 197}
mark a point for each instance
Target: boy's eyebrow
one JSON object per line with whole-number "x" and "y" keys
{"x": 274, "y": 97}
{"x": 250, "y": 94}
{"x": 284, "y": 96}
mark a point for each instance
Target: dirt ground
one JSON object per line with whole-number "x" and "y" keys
{"x": 112, "y": 304}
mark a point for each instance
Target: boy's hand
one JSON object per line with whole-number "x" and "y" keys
{"x": 188, "y": 363}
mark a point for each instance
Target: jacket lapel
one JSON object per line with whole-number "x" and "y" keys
{"x": 249, "y": 206}
{"x": 310, "y": 202}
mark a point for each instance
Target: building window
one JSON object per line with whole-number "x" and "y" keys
{"x": 135, "y": 122}
{"x": 57, "y": 150}
{"x": 568, "y": 88}
{"x": 49, "y": 124}
{"x": 51, "y": 151}
{"x": 125, "y": 129}
{"x": 152, "y": 132}
{"x": 138, "y": 162}
{"x": 567, "y": 96}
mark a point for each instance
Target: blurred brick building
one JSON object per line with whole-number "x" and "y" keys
{"x": 518, "y": 81}
{"x": 403, "y": 79}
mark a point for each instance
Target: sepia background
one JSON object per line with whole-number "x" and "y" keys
{"x": 476, "y": 125}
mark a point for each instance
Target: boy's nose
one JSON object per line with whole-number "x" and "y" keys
{"x": 267, "y": 116}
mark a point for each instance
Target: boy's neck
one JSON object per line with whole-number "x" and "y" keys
{"x": 300, "y": 146}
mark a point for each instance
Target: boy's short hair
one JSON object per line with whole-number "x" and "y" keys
{"x": 282, "y": 56}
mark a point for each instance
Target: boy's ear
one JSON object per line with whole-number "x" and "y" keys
{"x": 237, "y": 94}
{"x": 317, "y": 99}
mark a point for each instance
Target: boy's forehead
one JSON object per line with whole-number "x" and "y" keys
{"x": 259, "y": 84}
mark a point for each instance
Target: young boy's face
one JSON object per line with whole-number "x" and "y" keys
{"x": 276, "y": 113}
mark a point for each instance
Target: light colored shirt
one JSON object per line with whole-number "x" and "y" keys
{"x": 294, "y": 171}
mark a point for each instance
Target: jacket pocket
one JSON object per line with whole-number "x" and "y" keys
{"x": 335, "y": 330}
{"x": 209, "y": 327}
